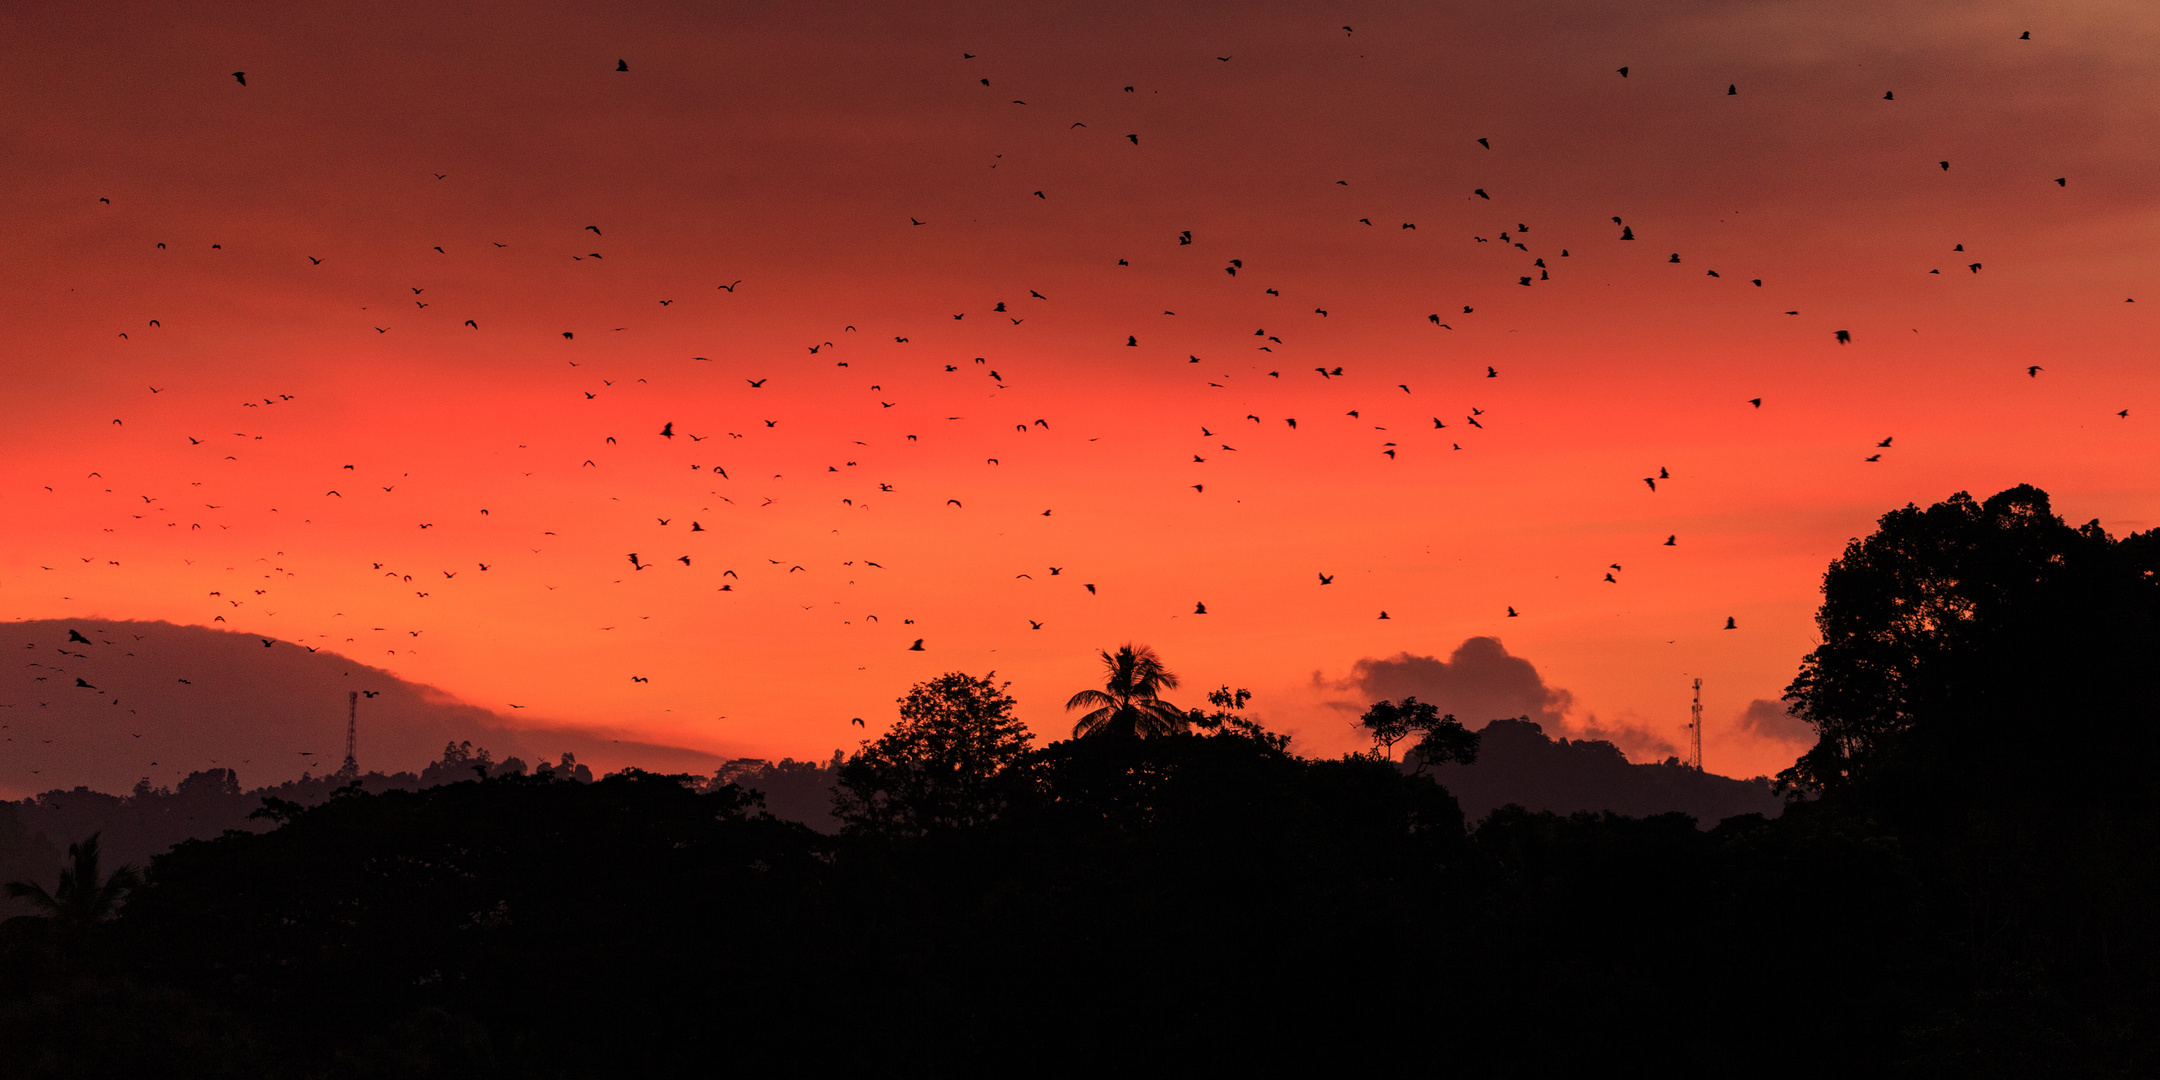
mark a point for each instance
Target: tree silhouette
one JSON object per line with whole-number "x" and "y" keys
{"x": 1949, "y": 632}
{"x": 82, "y": 898}
{"x": 1227, "y": 720}
{"x": 941, "y": 767}
{"x": 1388, "y": 725}
{"x": 1443, "y": 738}
{"x": 1129, "y": 704}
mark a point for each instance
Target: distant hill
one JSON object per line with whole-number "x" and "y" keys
{"x": 153, "y": 700}
{"x": 1518, "y": 763}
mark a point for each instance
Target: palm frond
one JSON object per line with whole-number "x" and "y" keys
{"x": 1093, "y": 722}
{"x": 1089, "y": 697}
{"x": 35, "y": 893}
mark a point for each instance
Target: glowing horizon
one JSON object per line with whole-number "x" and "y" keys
{"x": 786, "y": 152}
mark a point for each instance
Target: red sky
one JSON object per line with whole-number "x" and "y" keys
{"x": 789, "y": 148}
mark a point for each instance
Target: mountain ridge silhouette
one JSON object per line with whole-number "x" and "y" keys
{"x": 191, "y": 698}
{"x": 1519, "y": 764}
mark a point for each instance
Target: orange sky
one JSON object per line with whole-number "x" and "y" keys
{"x": 789, "y": 147}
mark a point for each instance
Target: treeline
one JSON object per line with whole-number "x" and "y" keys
{"x": 1966, "y": 890}
{"x": 148, "y": 821}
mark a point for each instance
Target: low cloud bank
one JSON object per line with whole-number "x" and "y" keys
{"x": 1771, "y": 720}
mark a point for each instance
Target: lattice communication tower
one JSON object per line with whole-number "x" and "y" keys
{"x": 352, "y": 728}
{"x": 1694, "y": 729}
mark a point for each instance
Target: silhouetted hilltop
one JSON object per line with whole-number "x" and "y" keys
{"x": 106, "y": 703}
{"x": 1518, "y": 763}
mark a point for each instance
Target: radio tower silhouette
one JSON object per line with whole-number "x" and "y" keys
{"x": 352, "y": 724}
{"x": 1694, "y": 730}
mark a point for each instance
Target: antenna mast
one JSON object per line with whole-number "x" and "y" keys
{"x": 1694, "y": 729}
{"x": 352, "y": 724}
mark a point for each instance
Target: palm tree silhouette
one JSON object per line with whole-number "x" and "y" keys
{"x": 81, "y": 899}
{"x": 1127, "y": 704}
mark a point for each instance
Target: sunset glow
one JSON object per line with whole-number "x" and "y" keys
{"x": 862, "y": 324}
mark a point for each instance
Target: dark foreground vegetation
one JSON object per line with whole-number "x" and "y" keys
{"x": 1965, "y": 889}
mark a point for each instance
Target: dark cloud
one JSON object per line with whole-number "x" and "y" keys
{"x": 1770, "y": 720}
{"x": 1478, "y": 682}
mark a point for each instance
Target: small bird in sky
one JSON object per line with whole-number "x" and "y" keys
{"x": 1327, "y": 579}
{"x": 241, "y": 76}
{"x": 622, "y": 65}
{"x": 917, "y": 647}
{"x": 1729, "y": 624}
{"x": 1511, "y": 613}
{"x": 1199, "y": 609}
{"x": 1672, "y": 541}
